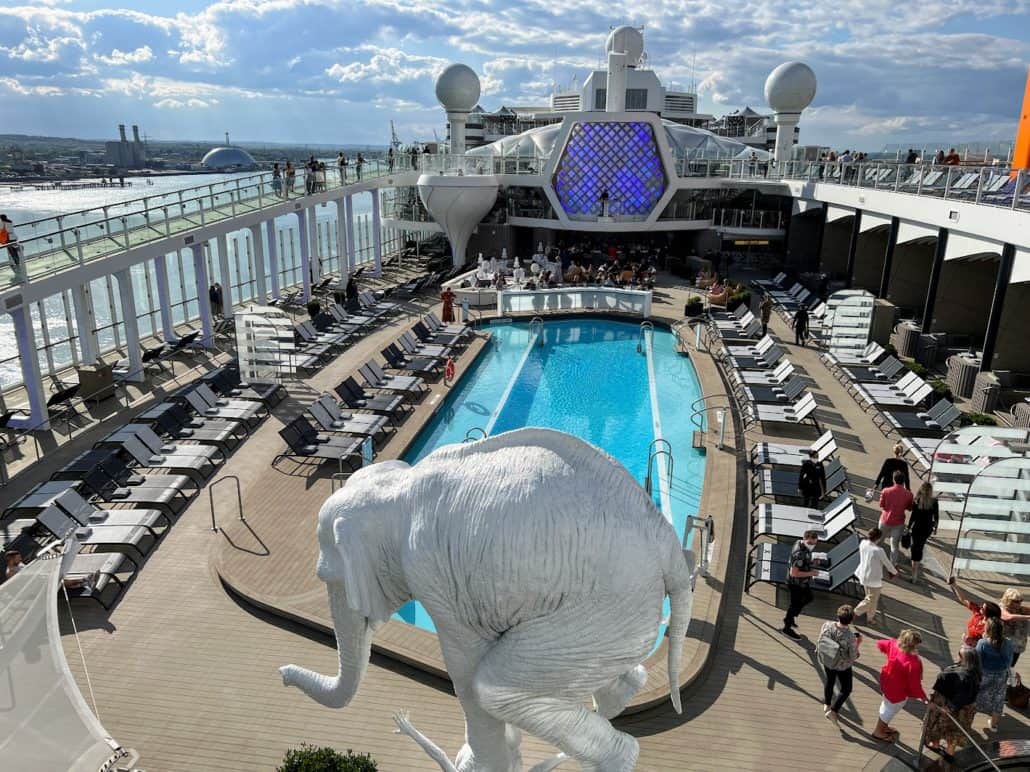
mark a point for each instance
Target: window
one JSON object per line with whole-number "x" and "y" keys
{"x": 636, "y": 99}
{"x": 600, "y": 99}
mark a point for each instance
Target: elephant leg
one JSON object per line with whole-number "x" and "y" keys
{"x": 490, "y": 745}
{"x": 612, "y": 699}
{"x": 524, "y": 680}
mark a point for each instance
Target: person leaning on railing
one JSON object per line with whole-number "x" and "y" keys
{"x": 9, "y": 240}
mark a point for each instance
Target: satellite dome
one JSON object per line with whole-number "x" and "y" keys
{"x": 457, "y": 88}
{"x": 228, "y": 158}
{"x": 790, "y": 88}
{"x": 626, "y": 40}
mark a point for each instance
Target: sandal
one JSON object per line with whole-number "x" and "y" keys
{"x": 890, "y": 738}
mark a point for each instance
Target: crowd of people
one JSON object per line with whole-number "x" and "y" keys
{"x": 985, "y": 655}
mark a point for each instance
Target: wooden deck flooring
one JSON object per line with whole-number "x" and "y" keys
{"x": 186, "y": 673}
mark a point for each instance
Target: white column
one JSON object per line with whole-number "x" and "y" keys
{"x": 82, "y": 301}
{"x": 259, "y": 264}
{"x": 615, "y": 87}
{"x": 203, "y": 301}
{"x": 273, "y": 258}
{"x": 226, "y": 277}
{"x": 341, "y": 236}
{"x": 164, "y": 300}
{"x": 785, "y": 123}
{"x": 314, "y": 252}
{"x": 31, "y": 376}
{"x": 352, "y": 257}
{"x": 305, "y": 256}
{"x": 377, "y": 240}
{"x": 128, "y": 305}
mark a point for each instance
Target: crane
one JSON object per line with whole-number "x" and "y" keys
{"x": 395, "y": 141}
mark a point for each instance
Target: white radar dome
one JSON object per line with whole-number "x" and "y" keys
{"x": 626, "y": 40}
{"x": 790, "y": 88}
{"x": 457, "y": 88}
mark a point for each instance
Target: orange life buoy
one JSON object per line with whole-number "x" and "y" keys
{"x": 448, "y": 371}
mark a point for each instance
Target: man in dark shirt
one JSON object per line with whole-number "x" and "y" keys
{"x": 800, "y": 325}
{"x": 812, "y": 481}
{"x": 799, "y": 575}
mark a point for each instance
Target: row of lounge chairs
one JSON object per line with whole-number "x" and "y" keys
{"x": 119, "y": 498}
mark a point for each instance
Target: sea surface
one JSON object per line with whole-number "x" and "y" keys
{"x": 25, "y": 206}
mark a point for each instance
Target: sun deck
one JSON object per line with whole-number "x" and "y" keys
{"x": 184, "y": 668}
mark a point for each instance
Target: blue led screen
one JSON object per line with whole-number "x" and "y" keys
{"x": 621, "y": 158}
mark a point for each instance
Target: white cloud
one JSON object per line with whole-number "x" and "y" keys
{"x": 179, "y": 104}
{"x": 387, "y": 65}
{"x": 121, "y": 58}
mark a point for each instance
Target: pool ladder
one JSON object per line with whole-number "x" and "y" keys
{"x": 537, "y": 324}
{"x": 475, "y": 433}
{"x": 658, "y": 449}
{"x": 645, "y": 327}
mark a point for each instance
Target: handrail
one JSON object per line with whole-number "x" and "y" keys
{"x": 470, "y": 435}
{"x": 645, "y": 327}
{"x": 704, "y": 410}
{"x": 538, "y": 323}
{"x": 951, "y": 718}
{"x": 211, "y": 498}
{"x": 659, "y": 447}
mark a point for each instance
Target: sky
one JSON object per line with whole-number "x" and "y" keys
{"x": 338, "y": 71}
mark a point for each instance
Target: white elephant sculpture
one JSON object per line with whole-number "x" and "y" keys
{"x": 544, "y": 566}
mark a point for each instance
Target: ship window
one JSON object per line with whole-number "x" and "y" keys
{"x": 636, "y": 99}
{"x": 600, "y": 99}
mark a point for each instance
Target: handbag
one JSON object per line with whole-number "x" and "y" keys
{"x": 1018, "y": 696}
{"x": 828, "y": 650}
{"x": 906, "y": 540}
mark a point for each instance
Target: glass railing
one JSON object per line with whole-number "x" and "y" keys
{"x": 748, "y": 218}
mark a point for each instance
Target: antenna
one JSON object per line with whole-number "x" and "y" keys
{"x": 227, "y": 139}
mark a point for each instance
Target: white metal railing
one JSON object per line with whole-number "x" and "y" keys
{"x": 624, "y": 301}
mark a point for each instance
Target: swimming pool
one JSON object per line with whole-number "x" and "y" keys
{"x": 588, "y": 379}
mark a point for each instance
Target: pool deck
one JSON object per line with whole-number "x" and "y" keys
{"x": 184, "y": 671}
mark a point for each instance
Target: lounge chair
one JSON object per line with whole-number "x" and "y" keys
{"x": 226, "y": 381}
{"x": 888, "y": 370}
{"x": 911, "y": 398}
{"x": 83, "y": 512}
{"x": 783, "y": 370}
{"x": 770, "y": 563}
{"x": 766, "y": 361}
{"x": 250, "y": 408}
{"x": 12, "y": 437}
{"x": 412, "y": 346}
{"x": 303, "y": 443}
{"x": 308, "y": 335}
{"x": 800, "y": 411}
{"x": 173, "y": 420}
{"x": 369, "y": 303}
{"x": 114, "y": 483}
{"x": 454, "y": 328}
{"x": 783, "y": 483}
{"x": 775, "y": 283}
{"x": 789, "y": 521}
{"x": 375, "y": 378}
{"x": 869, "y": 356}
{"x": 903, "y": 385}
{"x": 424, "y": 366}
{"x": 758, "y": 349}
{"x": 786, "y": 392}
{"x": 776, "y": 454}
{"x": 328, "y": 416}
{"x": 197, "y": 468}
{"x": 102, "y": 538}
{"x": 339, "y": 313}
{"x": 934, "y": 422}
{"x": 426, "y": 335}
{"x": 354, "y": 397}
{"x": 157, "y": 446}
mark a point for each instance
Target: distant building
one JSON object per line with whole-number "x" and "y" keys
{"x": 124, "y": 154}
{"x": 228, "y": 158}
{"x": 748, "y": 126}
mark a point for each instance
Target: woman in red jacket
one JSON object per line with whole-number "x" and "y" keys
{"x": 900, "y": 678}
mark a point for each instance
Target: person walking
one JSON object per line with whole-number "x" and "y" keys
{"x": 953, "y": 701}
{"x": 359, "y": 163}
{"x": 891, "y": 465}
{"x": 447, "y": 314}
{"x": 341, "y": 162}
{"x": 214, "y": 295}
{"x": 838, "y": 650}
{"x": 291, "y": 178}
{"x": 895, "y": 501}
{"x": 277, "y": 180}
{"x": 995, "y": 660}
{"x": 1016, "y": 619}
{"x": 922, "y": 524}
{"x": 389, "y": 159}
{"x": 799, "y": 576}
{"x": 901, "y": 677}
{"x": 766, "y": 310}
{"x": 812, "y": 481}
{"x": 872, "y": 561}
{"x": 800, "y": 325}
{"x": 9, "y": 240}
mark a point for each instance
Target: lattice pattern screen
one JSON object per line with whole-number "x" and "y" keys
{"x": 621, "y": 158}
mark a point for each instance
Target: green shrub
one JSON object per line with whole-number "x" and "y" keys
{"x": 737, "y": 299}
{"x": 694, "y": 307}
{"x": 978, "y": 419}
{"x": 917, "y": 368}
{"x": 309, "y": 758}
{"x": 941, "y": 390}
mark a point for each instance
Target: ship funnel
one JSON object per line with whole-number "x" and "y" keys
{"x": 121, "y": 131}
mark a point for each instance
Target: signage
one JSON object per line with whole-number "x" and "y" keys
{"x": 751, "y": 243}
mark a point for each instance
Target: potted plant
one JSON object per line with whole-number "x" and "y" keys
{"x": 311, "y": 758}
{"x": 694, "y": 307}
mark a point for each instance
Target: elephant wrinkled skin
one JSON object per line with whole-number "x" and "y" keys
{"x": 544, "y": 566}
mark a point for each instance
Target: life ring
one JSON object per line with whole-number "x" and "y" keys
{"x": 448, "y": 371}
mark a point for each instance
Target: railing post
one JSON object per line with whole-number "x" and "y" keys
{"x": 979, "y": 186}
{"x": 78, "y": 245}
{"x": 168, "y": 222}
{"x": 125, "y": 231}
{"x": 60, "y": 230}
{"x": 200, "y": 207}
{"x": 947, "y": 183}
{"x": 1018, "y": 189}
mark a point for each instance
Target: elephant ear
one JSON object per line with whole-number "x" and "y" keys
{"x": 360, "y": 572}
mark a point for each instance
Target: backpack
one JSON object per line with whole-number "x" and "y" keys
{"x": 828, "y": 650}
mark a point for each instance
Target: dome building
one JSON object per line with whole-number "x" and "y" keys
{"x": 228, "y": 159}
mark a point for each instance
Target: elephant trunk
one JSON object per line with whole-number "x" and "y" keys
{"x": 681, "y": 599}
{"x": 354, "y": 646}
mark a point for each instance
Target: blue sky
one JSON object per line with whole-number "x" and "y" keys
{"x": 327, "y": 71}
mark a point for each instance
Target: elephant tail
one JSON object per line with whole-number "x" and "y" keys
{"x": 678, "y": 585}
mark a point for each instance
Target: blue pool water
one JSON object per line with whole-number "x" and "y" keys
{"x": 588, "y": 379}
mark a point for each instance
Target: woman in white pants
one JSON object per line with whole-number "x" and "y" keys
{"x": 871, "y": 565}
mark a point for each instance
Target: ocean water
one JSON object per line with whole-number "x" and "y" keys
{"x": 25, "y": 206}
{"x": 588, "y": 379}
